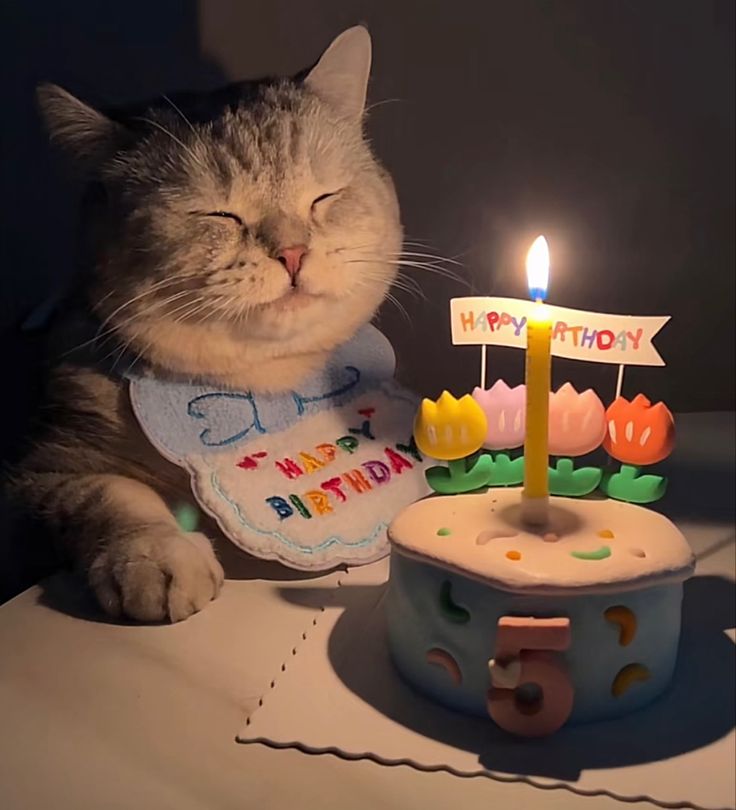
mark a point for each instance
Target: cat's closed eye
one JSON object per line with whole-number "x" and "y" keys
{"x": 225, "y": 215}
{"x": 324, "y": 197}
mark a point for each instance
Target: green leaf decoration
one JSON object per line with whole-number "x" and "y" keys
{"x": 564, "y": 479}
{"x": 456, "y": 478}
{"x": 505, "y": 472}
{"x": 628, "y": 485}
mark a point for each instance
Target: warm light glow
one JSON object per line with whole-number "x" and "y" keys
{"x": 537, "y": 269}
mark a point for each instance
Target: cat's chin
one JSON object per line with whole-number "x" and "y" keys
{"x": 287, "y": 316}
{"x": 293, "y": 301}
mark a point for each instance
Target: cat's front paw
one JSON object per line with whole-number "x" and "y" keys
{"x": 156, "y": 574}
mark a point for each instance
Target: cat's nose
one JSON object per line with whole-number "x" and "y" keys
{"x": 291, "y": 258}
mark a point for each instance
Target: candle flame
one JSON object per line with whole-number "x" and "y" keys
{"x": 537, "y": 269}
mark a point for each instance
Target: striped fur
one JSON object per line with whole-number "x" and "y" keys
{"x": 190, "y": 200}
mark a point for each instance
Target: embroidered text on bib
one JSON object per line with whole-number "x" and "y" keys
{"x": 310, "y": 477}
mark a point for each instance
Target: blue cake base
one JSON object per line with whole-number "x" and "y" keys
{"x": 417, "y": 625}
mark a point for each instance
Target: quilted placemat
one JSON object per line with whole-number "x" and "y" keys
{"x": 339, "y": 693}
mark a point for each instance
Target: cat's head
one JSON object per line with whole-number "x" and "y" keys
{"x": 255, "y": 214}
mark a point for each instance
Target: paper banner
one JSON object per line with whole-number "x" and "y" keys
{"x": 593, "y": 336}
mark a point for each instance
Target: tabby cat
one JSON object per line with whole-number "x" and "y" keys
{"x": 237, "y": 236}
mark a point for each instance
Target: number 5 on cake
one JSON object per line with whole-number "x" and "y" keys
{"x": 531, "y": 694}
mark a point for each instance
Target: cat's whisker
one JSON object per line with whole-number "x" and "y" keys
{"x": 152, "y": 308}
{"x": 113, "y": 329}
{"x": 123, "y": 351}
{"x": 104, "y": 297}
{"x": 412, "y": 260}
{"x": 443, "y": 272}
{"x": 208, "y": 310}
{"x": 205, "y": 310}
{"x": 431, "y": 256}
{"x": 138, "y": 356}
{"x": 189, "y": 309}
{"x": 414, "y": 292}
{"x": 418, "y": 242}
{"x": 185, "y": 306}
{"x": 173, "y": 137}
{"x": 399, "y": 306}
{"x": 413, "y": 254}
{"x": 183, "y": 117}
{"x": 402, "y": 282}
{"x": 430, "y": 268}
{"x": 410, "y": 291}
{"x": 409, "y": 285}
{"x": 379, "y": 254}
{"x": 120, "y": 348}
{"x": 381, "y": 103}
{"x": 220, "y": 305}
{"x": 156, "y": 287}
{"x": 149, "y": 309}
{"x": 243, "y": 310}
{"x": 125, "y": 304}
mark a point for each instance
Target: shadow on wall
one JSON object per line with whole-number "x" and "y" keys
{"x": 107, "y": 54}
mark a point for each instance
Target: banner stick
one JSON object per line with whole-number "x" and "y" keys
{"x": 620, "y": 380}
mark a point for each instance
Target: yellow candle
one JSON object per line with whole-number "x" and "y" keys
{"x": 535, "y": 498}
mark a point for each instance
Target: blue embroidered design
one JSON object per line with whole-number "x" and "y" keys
{"x": 301, "y": 400}
{"x": 192, "y": 410}
{"x": 335, "y": 540}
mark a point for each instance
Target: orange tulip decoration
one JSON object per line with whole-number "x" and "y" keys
{"x": 637, "y": 434}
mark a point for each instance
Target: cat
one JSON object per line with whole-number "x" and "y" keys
{"x": 208, "y": 218}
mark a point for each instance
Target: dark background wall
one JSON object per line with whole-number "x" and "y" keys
{"x": 606, "y": 125}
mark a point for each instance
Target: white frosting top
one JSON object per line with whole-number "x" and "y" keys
{"x": 590, "y": 546}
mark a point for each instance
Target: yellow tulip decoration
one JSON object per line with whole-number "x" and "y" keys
{"x": 451, "y": 430}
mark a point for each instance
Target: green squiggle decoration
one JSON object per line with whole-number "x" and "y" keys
{"x": 599, "y": 554}
{"x": 449, "y": 609}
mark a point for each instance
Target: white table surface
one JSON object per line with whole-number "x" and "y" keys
{"x": 99, "y": 715}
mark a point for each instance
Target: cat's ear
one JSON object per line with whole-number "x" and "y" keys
{"x": 341, "y": 75}
{"x": 88, "y": 135}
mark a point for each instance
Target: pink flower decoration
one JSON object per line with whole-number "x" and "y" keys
{"x": 505, "y": 410}
{"x": 577, "y": 422}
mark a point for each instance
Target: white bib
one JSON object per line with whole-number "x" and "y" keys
{"x": 311, "y": 477}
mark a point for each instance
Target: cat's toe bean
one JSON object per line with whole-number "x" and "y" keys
{"x": 143, "y": 585}
{"x": 106, "y": 589}
{"x": 192, "y": 587}
{"x": 203, "y": 543}
{"x": 157, "y": 575}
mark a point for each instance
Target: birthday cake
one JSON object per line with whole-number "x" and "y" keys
{"x": 575, "y": 622}
{"x": 570, "y": 619}
{"x": 539, "y": 606}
